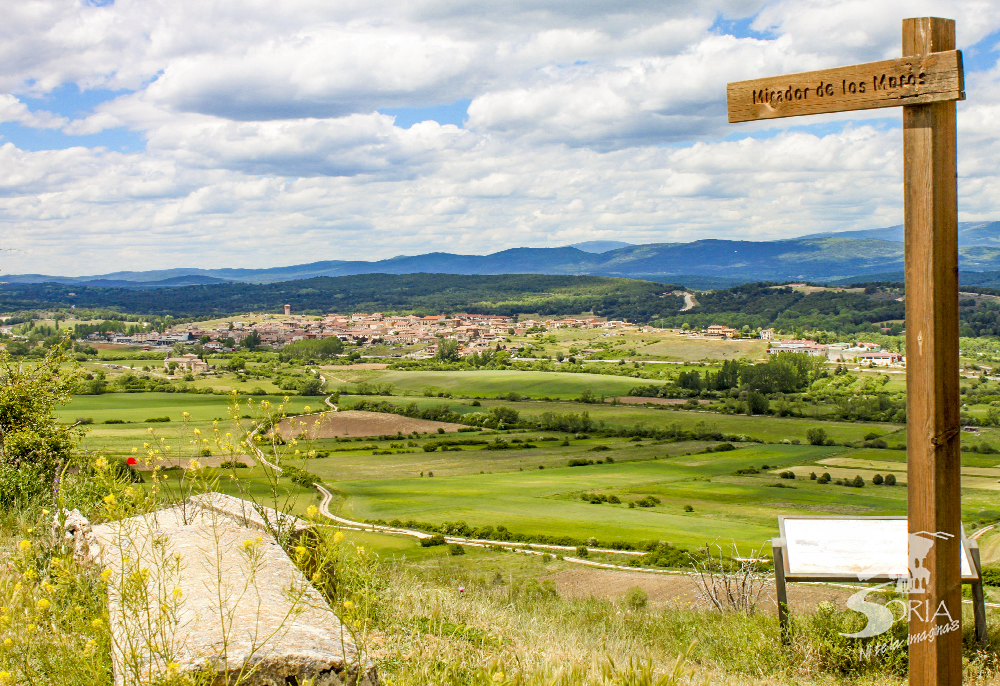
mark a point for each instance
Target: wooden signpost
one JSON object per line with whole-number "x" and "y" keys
{"x": 926, "y": 81}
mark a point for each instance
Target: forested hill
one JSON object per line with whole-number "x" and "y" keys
{"x": 419, "y": 293}
{"x": 765, "y": 305}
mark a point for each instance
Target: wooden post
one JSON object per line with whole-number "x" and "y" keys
{"x": 932, "y": 377}
{"x": 781, "y": 588}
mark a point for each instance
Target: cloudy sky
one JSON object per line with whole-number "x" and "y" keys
{"x": 145, "y": 134}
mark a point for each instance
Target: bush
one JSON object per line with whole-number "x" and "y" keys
{"x": 301, "y": 477}
{"x": 824, "y": 478}
{"x": 877, "y": 479}
{"x": 991, "y": 575}
{"x": 455, "y": 549}
{"x": 578, "y": 462}
{"x": 581, "y": 551}
{"x": 816, "y": 436}
{"x": 812, "y": 476}
{"x": 434, "y": 540}
{"x": 84, "y": 420}
{"x": 890, "y": 480}
{"x": 114, "y": 421}
{"x": 648, "y": 501}
{"x": 748, "y": 470}
{"x": 598, "y": 449}
{"x": 787, "y": 475}
{"x": 232, "y": 464}
{"x": 635, "y": 598}
{"x": 858, "y": 482}
{"x": 689, "y": 508}
{"x": 154, "y": 420}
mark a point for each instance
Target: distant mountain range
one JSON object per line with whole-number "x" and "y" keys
{"x": 844, "y": 256}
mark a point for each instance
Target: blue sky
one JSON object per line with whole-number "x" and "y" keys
{"x": 163, "y": 134}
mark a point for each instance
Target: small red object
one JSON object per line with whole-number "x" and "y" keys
{"x": 131, "y": 461}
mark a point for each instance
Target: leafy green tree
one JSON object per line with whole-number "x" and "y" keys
{"x": 313, "y": 348}
{"x": 757, "y": 403}
{"x": 447, "y": 350}
{"x": 33, "y": 445}
{"x": 311, "y": 386}
{"x": 251, "y": 342}
{"x": 816, "y": 436}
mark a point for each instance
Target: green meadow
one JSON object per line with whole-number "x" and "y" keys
{"x": 488, "y": 383}
{"x": 533, "y": 490}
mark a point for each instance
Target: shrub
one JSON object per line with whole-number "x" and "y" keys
{"x": 455, "y": 549}
{"x": 748, "y": 470}
{"x": 812, "y": 476}
{"x": 787, "y": 475}
{"x": 598, "y": 449}
{"x": 635, "y": 598}
{"x": 816, "y": 436}
{"x": 581, "y": 551}
{"x": 114, "y": 421}
{"x": 824, "y": 478}
{"x": 689, "y": 508}
{"x": 153, "y": 420}
{"x": 724, "y": 447}
{"x": 991, "y": 575}
{"x": 434, "y": 540}
{"x": 301, "y": 477}
{"x": 890, "y": 480}
{"x": 231, "y": 464}
{"x": 648, "y": 501}
{"x": 440, "y": 429}
{"x": 877, "y": 479}
{"x": 858, "y": 482}
{"x": 84, "y": 420}
{"x": 579, "y": 462}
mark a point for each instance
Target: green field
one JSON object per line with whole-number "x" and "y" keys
{"x": 765, "y": 427}
{"x": 493, "y": 487}
{"x": 726, "y": 506}
{"x": 136, "y": 408}
{"x": 559, "y": 385}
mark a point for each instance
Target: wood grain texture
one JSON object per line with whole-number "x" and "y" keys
{"x": 932, "y": 374}
{"x": 911, "y": 80}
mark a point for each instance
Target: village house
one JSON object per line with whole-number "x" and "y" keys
{"x": 188, "y": 363}
{"x": 720, "y": 331}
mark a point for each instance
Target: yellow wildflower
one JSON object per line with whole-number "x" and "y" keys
{"x": 197, "y": 432}
{"x": 43, "y": 604}
{"x": 100, "y": 463}
{"x": 361, "y": 550}
{"x": 8, "y": 642}
{"x": 185, "y": 414}
{"x": 5, "y": 677}
{"x": 338, "y": 537}
{"x": 312, "y": 511}
{"x": 194, "y": 464}
{"x": 105, "y": 575}
{"x": 109, "y": 499}
{"x": 25, "y": 546}
{"x": 348, "y": 605}
{"x": 96, "y": 623}
{"x": 178, "y": 593}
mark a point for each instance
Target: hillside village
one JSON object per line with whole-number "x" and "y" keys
{"x": 473, "y": 332}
